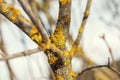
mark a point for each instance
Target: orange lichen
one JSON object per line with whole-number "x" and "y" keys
{"x": 35, "y": 35}
{"x": 58, "y": 38}
{"x": 64, "y": 1}
{"x": 4, "y": 8}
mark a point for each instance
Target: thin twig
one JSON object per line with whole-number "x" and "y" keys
{"x": 3, "y": 49}
{"x": 110, "y": 51}
{"x": 114, "y": 70}
{"x": 20, "y": 54}
{"x": 90, "y": 68}
{"x": 100, "y": 66}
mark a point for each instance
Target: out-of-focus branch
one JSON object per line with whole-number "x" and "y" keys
{"x": 110, "y": 51}
{"x": 82, "y": 26}
{"x": 34, "y": 19}
{"x": 34, "y": 6}
{"x": 100, "y": 66}
{"x": 3, "y": 49}
{"x": 81, "y": 29}
{"x": 20, "y": 54}
{"x": 45, "y": 6}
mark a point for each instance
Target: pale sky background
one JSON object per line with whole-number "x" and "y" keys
{"x": 35, "y": 67}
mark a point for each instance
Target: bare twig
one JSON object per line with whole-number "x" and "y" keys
{"x": 90, "y": 68}
{"x": 3, "y": 49}
{"x": 110, "y": 51}
{"x": 114, "y": 70}
{"x": 34, "y": 6}
{"x": 20, "y": 54}
{"x": 45, "y": 6}
{"x": 111, "y": 54}
{"x": 100, "y": 66}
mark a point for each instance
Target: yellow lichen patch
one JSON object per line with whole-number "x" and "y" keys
{"x": 72, "y": 74}
{"x": 1, "y": 1}
{"x": 81, "y": 29}
{"x": 48, "y": 44}
{"x": 54, "y": 47}
{"x": 35, "y": 35}
{"x": 13, "y": 18}
{"x": 58, "y": 77}
{"x": 52, "y": 59}
{"x": 72, "y": 51}
{"x": 37, "y": 38}
{"x": 22, "y": 19}
{"x": 14, "y": 13}
{"x": 67, "y": 19}
{"x": 66, "y": 58}
{"x": 33, "y": 31}
{"x": 58, "y": 38}
{"x": 87, "y": 12}
{"x": 14, "y": 10}
{"x": 4, "y": 8}
{"x": 64, "y": 1}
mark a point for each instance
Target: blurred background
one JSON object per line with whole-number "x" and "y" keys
{"x": 103, "y": 20}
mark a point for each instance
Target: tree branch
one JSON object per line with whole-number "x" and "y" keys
{"x": 81, "y": 29}
{"x": 82, "y": 26}
{"x": 100, "y": 66}
{"x": 3, "y": 49}
{"x": 110, "y": 50}
{"x": 63, "y": 24}
{"x": 17, "y": 18}
{"x": 34, "y": 19}
{"x": 20, "y": 54}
